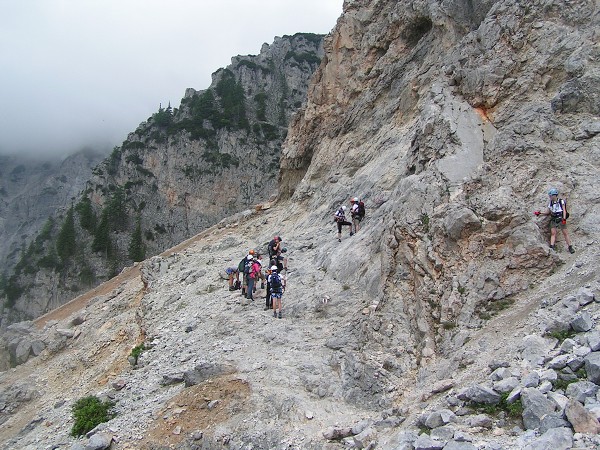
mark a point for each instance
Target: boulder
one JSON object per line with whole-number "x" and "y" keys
{"x": 581, "y": 419}
{"x": 593, "y": 340}
{"x": 582, "y": 322}
{"x": 581, "y": 390}
{"x": 556, "y": 439}
{"x": 424, "y": 442}
{"x": 535, "y": 407}
{"x": 480, "y": 394}
{"x": 592, "y": 367}
{"x": 585, "y": 296}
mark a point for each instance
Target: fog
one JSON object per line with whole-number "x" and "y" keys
{"x": 77, "y": 73}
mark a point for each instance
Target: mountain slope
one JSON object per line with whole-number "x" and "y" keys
{"x": 451, "y": 120}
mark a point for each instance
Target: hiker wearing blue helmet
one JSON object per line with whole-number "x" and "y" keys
{"x": 557, "y": 210}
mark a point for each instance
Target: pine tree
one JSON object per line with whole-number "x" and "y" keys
{"x": 87, "y": 218}
{"x": 101, "y": 241}
{"x": 65, "y": 241}
{"x": 137, "y": 249}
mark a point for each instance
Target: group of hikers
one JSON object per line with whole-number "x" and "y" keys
{"x": 251, "y": 269}
{"x": 251, "y": 266}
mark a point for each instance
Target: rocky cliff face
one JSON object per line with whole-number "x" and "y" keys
{"x": 445, "y": 322}
{"x": 181, "y": 171}
{"x": 31, "y": 191}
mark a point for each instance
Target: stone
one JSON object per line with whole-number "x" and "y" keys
{"x": 535, "y": 407}
{"x": 480, "y": 394}
{"x": 335, "y": 433}
{"x": 582, "y": 322}
{"x": 506, "y": 385}
{"x": 532, "y": 379}
{"x": 439, "y": 418}
{"x": 444, "y": 433}
{"x": 535, "y": 349}
{"x": 555, "y": 439}
{"x": 593, "y": 340}
{"x": 480, "y": 420}
{"x": 454, "y": 445}
{"x": 567, "y": 346}
{"x": 204, "y": 371}
{"x": 559, "y": 399}
{"x": 99, "y": 441}
{"x": 585, "y": 296}
{"x": 559, "y": 362}
{"x": 581, "y": 390}
{"x": 592, "y": 367}
{"x": 365, "y": 438}
{"x": 500, "y": 373}
{"x": 581, "y": 419}
{"x": 424, "y": 442}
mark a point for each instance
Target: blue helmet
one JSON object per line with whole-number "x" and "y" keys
{"x": 553, "y": 191}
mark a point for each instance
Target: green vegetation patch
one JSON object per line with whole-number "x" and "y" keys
{"x": 89, "y": 412}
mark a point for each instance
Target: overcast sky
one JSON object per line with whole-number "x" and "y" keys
{"x": 81, "y": 72}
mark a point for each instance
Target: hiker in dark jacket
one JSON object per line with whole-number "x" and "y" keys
{"x": 340, "y": 218}
{"x": 557, "y": 210}
{"x": 276, "y": 288}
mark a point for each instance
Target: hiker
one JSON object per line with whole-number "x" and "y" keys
{"x": 340, "y": 218}
{"x": 268, "y": 299}
{"x": 276, "y": 288}
{"x": 244, "y": 267}
{"x": 261, "y": 275}
{"x": 234, "y": 274}
{"x": 557, "y": 210}
{"x": 276, "y": 251}
{"x": 253, "y": 276}
{"x": 357, "y": 211}
{"x": 274, "y": 246}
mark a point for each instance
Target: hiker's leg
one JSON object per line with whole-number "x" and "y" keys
{"x": 566, "y": 235}
{"x": 552, "y": 236}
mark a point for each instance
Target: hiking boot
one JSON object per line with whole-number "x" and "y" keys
{"x": 571, "y": 249}
{"x": 279, "y": 315}
{"x": 552, "y": 247}
{"x": 339, "y": 240}
{"x": 232, "y": 288}
{"x": 274, "y": 313}
{"x": 351, "y": 233}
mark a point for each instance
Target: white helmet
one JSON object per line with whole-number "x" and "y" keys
{"x": 343, "y": 207}
{"x": 355, "y": 199}
{"x": 273, "y": 267}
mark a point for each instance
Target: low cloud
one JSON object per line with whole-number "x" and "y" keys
{"x": 75, "y": 74}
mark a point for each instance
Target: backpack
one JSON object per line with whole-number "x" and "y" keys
{"x": 563, "y": 204}
{"x": 361, "y": 209}
{"x": 275, "y": 282}
{"x": 242, "y": 265}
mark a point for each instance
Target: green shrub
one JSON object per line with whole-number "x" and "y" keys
{"x": 89, "y": 412}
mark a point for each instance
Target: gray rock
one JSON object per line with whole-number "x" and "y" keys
{"x": 37, "y": 347}
{"x": 575, "y": 363}
{"x": 444, "y": 433}
{"x": 567, "y": 346}
{"x": 500, "y": 373}
{"x": 545, "y": 387}
{"x": 403, "y": 440}
{"x": 581, "y": 419}
{"x": 99, "y": 441}
{"x": 23, "y": 351}
{"x": 424, "y": 442}
{"x": 581, "y": 390}
{"x": 365, "y": 438}
{"x": 559, "y": 362}
{"x": 514, "y": 395}
{"x": 593, "y": 340}
{"x": 585, "y": 296}
{"x": 592, "y": 367}
{"x": 535, "y": 407}
{"x": 461, "y": 436}
{"x": 454, "y": 445}
{"x": 480, "y": 420}
{"x": 548, "y": 375}
{"x": 556, "y": 439}
{"x": 506, "y": 385}
{"x": 204, "y": 371}
{"x": 439, "y": 418}
{"x": 532, "y": 379}
{"x": 335, "y": 433}
{"x": 535, "y": 349}
{"x": 480, "y": 394}
{"x": 583, "y": 322}
{"x": 559, "y": 399}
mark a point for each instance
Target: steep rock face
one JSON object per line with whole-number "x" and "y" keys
{"x": 31, "y": 191}
{"x": 451, "y": 120}
{"x": 219, "y": 152}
